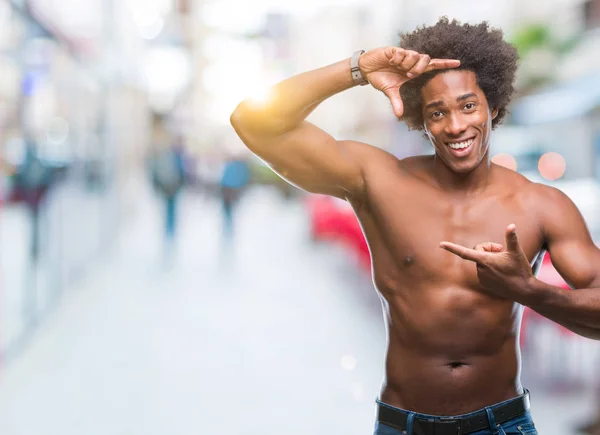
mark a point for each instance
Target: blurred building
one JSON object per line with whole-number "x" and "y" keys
{"x": 79, "y": 82}
{"x": 563, "y": 113}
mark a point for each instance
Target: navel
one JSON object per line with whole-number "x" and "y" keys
{"x": 408, "y": 261}
{"x": 456, "y": 364}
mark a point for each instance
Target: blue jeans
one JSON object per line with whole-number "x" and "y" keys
{"x": 522, "y": 425}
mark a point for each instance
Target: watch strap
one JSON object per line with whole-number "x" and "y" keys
{"x": 357, "y": 76}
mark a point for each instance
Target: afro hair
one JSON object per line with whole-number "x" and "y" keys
{"x": 479, "y": 48}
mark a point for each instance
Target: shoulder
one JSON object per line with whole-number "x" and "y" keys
{"x": 547, "y": 192}
{"x": 413, "y": 167}
{"x": 369, "y": 157}
{"x": 556, "y": 213}
{"x": 364, "y": 151}
{"x": 416, "y": 163}
{"x": 537, "y": 198}
{"x": 511, "y": 180}
{"x": 388, "y": 166}
{"x": 523, "y": 189}
{"x": 546, "y": 198}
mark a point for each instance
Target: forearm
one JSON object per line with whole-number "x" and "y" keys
{"x": 577, "y": 310}
{"x": 289, "y": 102}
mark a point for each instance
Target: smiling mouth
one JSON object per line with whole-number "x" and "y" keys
{"x": 463, "y": 145}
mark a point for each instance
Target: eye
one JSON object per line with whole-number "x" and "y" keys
{"x": 435, "y": 115}
{"x": 470, "y": 106}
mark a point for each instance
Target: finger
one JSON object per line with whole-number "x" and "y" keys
{"x": 398, "y": 55}
{"x": 489, "y": 247}
{"x": 419, "y": 67}
{"x": 393, "y": 95}
{"x": 462, "y": 252}
{"x": 442, "y": 64}
{"x": 494, "y": 247}
{"x": 410, "y": 60}
{"x": 390, "y": 52}
{"x": 480, "y": 248}
{"x": 512, "y": 241}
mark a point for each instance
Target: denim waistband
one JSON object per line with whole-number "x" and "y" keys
{"x": 489, "y": 417}
{"x": 470, "y": 414}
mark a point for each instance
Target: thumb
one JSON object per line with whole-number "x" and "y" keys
{"x": 393, "y": 95}
{"x": 512, "y": 241}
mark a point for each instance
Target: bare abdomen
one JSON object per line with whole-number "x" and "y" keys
{"x": 450, "y": 352}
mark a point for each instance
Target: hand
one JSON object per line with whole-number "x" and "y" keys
{"x": 505, "y": 272}
{"x": 388, "y": 68}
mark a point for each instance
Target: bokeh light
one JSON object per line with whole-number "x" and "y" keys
{"x": 552, "y": 166}
{"x": 505, "y": 160}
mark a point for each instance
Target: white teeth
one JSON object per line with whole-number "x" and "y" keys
{"x": 461, "y": 145}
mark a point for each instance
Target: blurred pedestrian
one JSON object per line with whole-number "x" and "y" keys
{"x": 234, "y": 180}
{"x": 168, "y": 174}
{"x": 33, "y": 179}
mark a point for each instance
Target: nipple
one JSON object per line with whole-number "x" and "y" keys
{"x": 409, "y": 260}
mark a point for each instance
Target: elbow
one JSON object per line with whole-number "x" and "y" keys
{"x": 255, "y": 126}
{"x": 239, "y": 121}
{"x": 242, "y": 122}
{"x": 258, "y": 119}
{"x": 245, "y": 120}
{"x": 236, "y": 119}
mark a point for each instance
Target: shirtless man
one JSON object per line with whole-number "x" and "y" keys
{"x": 442, "y": 230}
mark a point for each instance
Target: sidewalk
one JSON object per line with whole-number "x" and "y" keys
{"x": 270, "y": 335}
{"x": 143, "y": 350}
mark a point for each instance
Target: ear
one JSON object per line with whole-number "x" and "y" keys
{"x": 494, "y": 113}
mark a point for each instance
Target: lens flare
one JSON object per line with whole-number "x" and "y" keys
{"x": 260, "y": 96}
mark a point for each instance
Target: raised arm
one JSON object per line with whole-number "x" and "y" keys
{"x": 305, "y": 155}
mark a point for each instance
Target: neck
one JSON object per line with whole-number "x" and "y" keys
{"x": 470, "y": 182}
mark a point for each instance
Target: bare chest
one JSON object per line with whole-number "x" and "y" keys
{"x": 405, "y": 227}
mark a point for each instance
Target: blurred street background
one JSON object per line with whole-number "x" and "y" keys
{"x": 156, "y": 278}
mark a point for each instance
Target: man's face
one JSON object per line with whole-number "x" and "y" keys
{"x": 457, "y": 119}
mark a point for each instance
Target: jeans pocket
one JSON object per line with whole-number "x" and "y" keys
{"x": 527, "y": 429}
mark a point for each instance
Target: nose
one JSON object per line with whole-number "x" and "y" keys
{"x": 455, "y": 125}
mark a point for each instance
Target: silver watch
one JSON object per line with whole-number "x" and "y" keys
{"x": 355, "y": 70}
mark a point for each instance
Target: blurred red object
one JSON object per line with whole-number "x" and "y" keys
{"x": 333, "y": 219}
{"x": 549, "y": 275}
